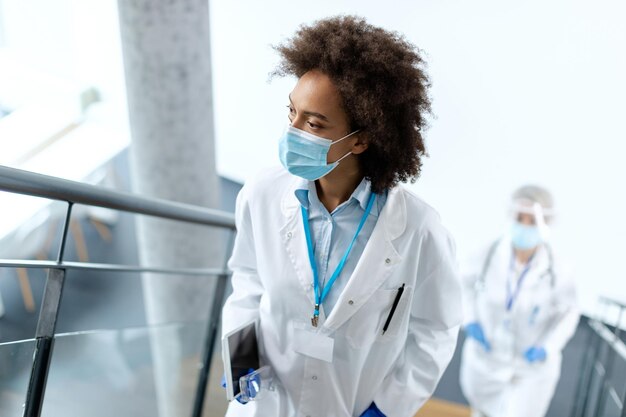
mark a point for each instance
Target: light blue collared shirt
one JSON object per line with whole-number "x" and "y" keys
{"x": 332, "y": 233}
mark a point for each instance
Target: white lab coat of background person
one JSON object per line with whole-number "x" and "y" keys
{"x": 501, "y": 382}
{"x": 272, "y": 281}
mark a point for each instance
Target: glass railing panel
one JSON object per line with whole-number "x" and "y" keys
{"x": 119, "y": 300}
{"x": 16, "y": 360}
{"x": 595, "y": 386}
{"x": 108, "y": 236}
{"x": 30, "y": 227}
{"x": 616, "y": 380}
{"x": 146, "y": 371}
{"x": 612, "y": 404}
{"x": 21, "y": 292}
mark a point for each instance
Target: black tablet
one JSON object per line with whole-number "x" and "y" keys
{"x": 240, "y": 351}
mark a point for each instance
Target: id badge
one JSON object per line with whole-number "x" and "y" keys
{"x": 309, "y": 341}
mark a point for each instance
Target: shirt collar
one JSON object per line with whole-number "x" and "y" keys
{"x": 361, "y": 194}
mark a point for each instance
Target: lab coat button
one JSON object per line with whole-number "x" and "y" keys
{"x": 387, "y": 261}
{"x": 289, "y": 235}
{"x": 350, "y": 302}
{"x": 314, "y": 378}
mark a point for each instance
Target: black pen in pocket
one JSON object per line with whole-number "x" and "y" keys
{"x": 393, "y": 308}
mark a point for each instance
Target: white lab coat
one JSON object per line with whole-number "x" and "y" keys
{"x": 501, "y": 383}
{"x": 272, "y": 280}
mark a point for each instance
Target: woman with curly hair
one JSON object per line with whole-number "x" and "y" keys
{"x": 351, "y": 277}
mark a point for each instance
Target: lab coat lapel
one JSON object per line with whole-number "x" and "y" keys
{"x": 294, "y": 240}
{"x": 541, "y": 267}
{"x": 378, "y": 261}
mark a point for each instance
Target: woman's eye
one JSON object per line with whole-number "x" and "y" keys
{"x": 313, "y": 125}
{"x": 291, "y": 109}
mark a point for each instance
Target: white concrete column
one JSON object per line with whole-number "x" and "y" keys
{"x": 167, "y": 61}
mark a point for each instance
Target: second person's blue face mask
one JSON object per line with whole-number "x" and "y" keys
{"x": 525, "y": 236}
{"x": 305, "y": 155}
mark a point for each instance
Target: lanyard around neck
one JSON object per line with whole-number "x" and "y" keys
{"x": 321, "y": 296}
{"x": 511, "y": 295}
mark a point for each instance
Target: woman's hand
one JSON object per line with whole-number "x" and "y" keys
{"x": 535, "y": 354}
{"x": 253, "y": 390}
{"x": 372, "y": 411}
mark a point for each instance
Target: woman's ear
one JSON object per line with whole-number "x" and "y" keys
{"x": 361, "y": 144}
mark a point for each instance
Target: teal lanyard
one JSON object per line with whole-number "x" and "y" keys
{"x": 321, "y": 296}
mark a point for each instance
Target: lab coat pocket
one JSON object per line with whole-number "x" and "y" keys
{"x": 366, "y": 326}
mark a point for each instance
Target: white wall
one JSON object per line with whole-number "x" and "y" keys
{"x": 74, "y": 41}
{"x": 523, "y": 92}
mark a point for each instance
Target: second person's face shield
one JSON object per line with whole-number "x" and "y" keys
{"x": 530, "y": 227}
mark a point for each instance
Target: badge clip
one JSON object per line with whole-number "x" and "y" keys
{"x": 316, "y": 314}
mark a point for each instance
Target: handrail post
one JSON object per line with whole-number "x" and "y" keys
{"x": 209, "y": 344}
{"x": 211, "y": 334}
{"x": 587, "y": 360}
{"x": 600, "y": 405}
{"x": 46, "y": 326}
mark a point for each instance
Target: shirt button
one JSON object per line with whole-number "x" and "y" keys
{"x": 350, "y": 302}
{"x": 387, "y": 261}
{"x": 289, "y": 235}
{"x": 314, "y": 378}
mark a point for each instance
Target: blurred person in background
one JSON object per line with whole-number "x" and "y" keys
{"x": 521, "y": 310}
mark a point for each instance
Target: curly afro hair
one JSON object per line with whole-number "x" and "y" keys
{"x": 382, "y": 83}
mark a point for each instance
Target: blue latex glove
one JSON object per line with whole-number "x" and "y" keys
{"x": 223, "y": 384}
{"x": 372, "y": 411}
{"x": 475, "y": 331}
{"x": 535, "y": 354}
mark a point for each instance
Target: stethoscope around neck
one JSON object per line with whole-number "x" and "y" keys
{"x": 479, "y": 285}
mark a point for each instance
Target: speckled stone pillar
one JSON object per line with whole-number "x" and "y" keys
{"x": 167, "y": 61}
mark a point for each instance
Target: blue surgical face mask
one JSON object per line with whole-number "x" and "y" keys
{"x": 525, "y": 236}
{"x": 305, "y": 155}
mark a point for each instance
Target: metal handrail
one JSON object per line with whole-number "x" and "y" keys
{"x": 610, "y": 338}
{"x": 611, "y": 301}
{"x": 89, "y": 266}
{"x": 37, "y": 185}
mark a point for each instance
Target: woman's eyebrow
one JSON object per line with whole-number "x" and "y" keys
{"x": 311, "y": 113}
